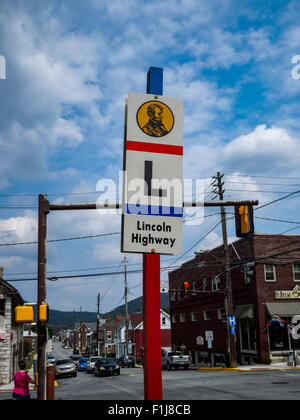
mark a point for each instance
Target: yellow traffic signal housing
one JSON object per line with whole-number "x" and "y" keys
{"x": 186, "y": 287}
{"x": 244, "y": 216}
{"x": 244, "y": 221}
{"x": 44, "y": 313}
{"x": 24, "y": 314}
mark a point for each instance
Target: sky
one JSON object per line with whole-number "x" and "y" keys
{"x": 69, "y": 66}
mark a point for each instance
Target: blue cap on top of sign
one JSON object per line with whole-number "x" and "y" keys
{"x": 155, "y": 81}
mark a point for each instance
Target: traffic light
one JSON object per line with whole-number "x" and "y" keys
{"x": 44, "y": 313}
{"x": 186, "y": 288}
{"x": 24, "y": 314}
{"x": 244, "y": 225}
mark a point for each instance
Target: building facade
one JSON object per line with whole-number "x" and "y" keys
{"x": 265, "y": 278}
{"x": 137, "y": 334}
{"x": 11, "y": 334}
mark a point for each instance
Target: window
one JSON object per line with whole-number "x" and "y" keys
{"x": 270, "y": 272}
{"x": 204, "y": 284}
{"x": 296, "y": 270}
{"x": 248, "y": 334}
{"x": 163, "y": 321}
{"x": 179, "y": 293}
{"x": 174, "y": 319}
{"x": 221, "y": 314}
{"x": 2, "y": 307}
{"x": 109, "y": 335}
{"x": 194, "y": 316}
{"x": 173, "y": 296}
{"x": 215, "y": 283}
{"x": 182, "y": 317}
{"x": 207, "y": 315}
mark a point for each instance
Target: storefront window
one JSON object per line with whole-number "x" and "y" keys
{"x": 278, "y": 337}
{"x": 248, "y": 334}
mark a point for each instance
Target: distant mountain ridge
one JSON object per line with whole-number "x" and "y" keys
{"x": 67, "y": 319}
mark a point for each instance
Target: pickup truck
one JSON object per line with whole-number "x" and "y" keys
{"x": 170, "y": 359}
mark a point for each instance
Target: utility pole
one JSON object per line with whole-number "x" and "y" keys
{"x": 126, "y": 306}
{"x": 80, "y": 331}
{"x": 231, "y": 338}
{"x": 98, "y": 322}
{"x": 42, "y": 270}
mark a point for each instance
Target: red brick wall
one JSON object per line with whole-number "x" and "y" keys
{"x": 258, "y": 292}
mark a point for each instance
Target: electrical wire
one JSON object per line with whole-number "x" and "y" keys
{"x": 63, "y": 239}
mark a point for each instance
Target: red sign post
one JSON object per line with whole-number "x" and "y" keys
{"x": 151, "y": 292}
{"x": 152, "y": 333}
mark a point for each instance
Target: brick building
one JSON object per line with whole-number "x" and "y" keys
{"x": 265, "y": 276}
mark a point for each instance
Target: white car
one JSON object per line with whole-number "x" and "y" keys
{"x": 90, "y": 365}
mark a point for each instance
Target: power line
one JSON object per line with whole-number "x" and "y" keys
{"x": 278, "y": 199}
{"x": 63, "y": 239}
{"x": 260, "y": 176}
{"x": 188, "y": 267}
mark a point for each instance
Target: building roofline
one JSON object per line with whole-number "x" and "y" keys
{"x": 256, "y": 234}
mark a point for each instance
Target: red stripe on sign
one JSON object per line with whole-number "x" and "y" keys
{"x": 139, "y": 146}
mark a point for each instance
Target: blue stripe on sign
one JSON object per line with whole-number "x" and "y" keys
{"x": 150, "y": 210}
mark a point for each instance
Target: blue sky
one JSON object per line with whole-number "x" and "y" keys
{"x": 70, "y": 66}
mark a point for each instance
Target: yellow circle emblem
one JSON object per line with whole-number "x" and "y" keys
{"x": 155, "y": 119}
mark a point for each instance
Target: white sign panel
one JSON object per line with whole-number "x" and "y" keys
{"x": 199, "y": 340}
{"x": 152, "y": 181}
{"x": 209, "y": 335}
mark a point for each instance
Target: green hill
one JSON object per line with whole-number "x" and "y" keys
{"x": 66, "y": 319}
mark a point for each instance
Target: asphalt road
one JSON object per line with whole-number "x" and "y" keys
{"x": 190, "y": 385}
{"x": 182, "y": 385}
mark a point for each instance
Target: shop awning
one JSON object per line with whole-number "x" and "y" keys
{"x": 286, "y": 309}
{"x": 244, "y": 311}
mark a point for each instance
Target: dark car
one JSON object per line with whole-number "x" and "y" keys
{"x": 126, "y": 361}
{"x": 106, "y": 366}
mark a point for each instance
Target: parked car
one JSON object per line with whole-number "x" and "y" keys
{"x": 65, "y": 367}
{"x": 50, "y": 360}
{"x": 82, "y": 364}
{"x": 106, "y": 366}
{"x": 170, "y": 359}
{"x": 91, "y": 363}
{"x": 126, "y": 361}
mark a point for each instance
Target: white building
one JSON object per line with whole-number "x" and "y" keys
{"x": 11, "y": 334}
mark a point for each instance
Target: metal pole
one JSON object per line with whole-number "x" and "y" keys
{"x": 151, "y": 292}
{"x": 152, "y": 333}
{"x": 80, "y": 331}
{"x": 98, "y": 319}
{"x": 95, "y": 206}
{"x": 41, "y": 327}
{"x": 126, "y": 307}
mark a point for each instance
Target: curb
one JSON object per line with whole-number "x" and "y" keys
{"x": 246, "y": 370}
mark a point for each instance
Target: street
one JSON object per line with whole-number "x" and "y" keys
{"x": 190, "y": 385}
{"x": 181, "y": 385}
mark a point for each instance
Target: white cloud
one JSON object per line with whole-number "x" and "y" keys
{"x": 264, "y": 150}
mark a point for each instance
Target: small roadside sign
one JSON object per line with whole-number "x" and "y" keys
{"x": 199, "y": 340}
{"x": 209, "y": 335}
{"x": 232, "y": 321}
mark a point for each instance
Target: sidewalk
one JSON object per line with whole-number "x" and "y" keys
{"x": 252, "y": 368}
